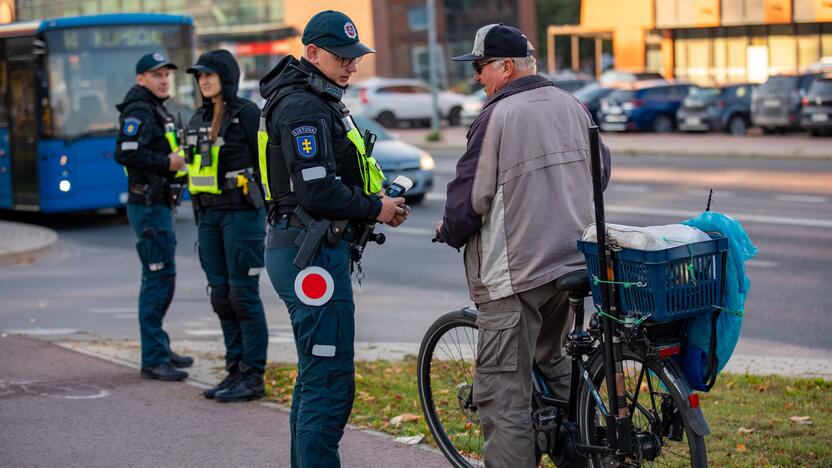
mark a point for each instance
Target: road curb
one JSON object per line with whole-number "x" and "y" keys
{"x": 23, "y": 243}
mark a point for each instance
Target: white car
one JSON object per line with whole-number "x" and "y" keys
{"x": 391, "y": 101}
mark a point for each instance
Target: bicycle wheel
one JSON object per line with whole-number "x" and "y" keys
{"x": 654, "y": 402}
{"x": 445, "y": 379}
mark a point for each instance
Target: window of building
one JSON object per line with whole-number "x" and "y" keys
{"x": 735, "y": 59}
{"x": 808, "y": 45}
{"x": 782, "y": 46}
{"x": 109, "y": 6}
{"x": 417, "y": 18}
{"x": 826, "y": 40}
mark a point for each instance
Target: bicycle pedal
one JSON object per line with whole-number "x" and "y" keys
{"x": 547, "y": 418}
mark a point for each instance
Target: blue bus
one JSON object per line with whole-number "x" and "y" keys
{"x": 59, "y": 83}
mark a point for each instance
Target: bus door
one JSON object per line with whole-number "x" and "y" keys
{"x": 5, "y": 155}
{"x": 24, "y": 122}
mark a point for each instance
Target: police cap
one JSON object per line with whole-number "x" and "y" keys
{"x": 153, "y": 61}
{"x": 335, "y": 32}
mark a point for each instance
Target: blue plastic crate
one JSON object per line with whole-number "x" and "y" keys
{"x": 679, "y": 282}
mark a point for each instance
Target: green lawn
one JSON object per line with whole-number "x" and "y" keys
{"x": 750, "y": 416}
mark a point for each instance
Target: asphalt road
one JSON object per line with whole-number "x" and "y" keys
{"x": 89, "y": 288}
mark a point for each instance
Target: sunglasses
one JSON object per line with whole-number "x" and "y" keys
{"x": 345, "y": 62}
{"x": 478, "y": 66}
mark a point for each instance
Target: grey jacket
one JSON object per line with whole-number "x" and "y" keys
{"x": 522, "y": 194}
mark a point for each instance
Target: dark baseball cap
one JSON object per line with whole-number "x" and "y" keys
{"x": 153, "y": 61}
{"x": 335, "y": 32}
{"x": 498, "y": 41}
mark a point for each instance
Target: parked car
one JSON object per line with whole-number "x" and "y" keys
{"x": 816, "y": 114}
{"x": 391, "y": 101}
{"x": 619, "y": 78}
{"x": 399, "y": 158}
{"x": 726, "y": 108}
{"x": 651, "y": 107}
{"x": 472, "y": 106}
{"x": 777, "y": 102}
{"x": 591, "y": 95}
{"x": 571, "y": 86}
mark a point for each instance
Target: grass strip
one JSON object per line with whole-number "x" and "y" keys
{"x": 754, "y": 420}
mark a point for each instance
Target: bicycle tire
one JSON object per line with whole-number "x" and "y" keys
{"x": 436, "y": 380}
{"x": 659, "y": 377}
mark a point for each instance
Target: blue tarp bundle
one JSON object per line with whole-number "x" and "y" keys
{"x": 729, "y": 320}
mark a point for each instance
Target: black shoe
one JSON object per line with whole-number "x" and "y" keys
{"x": 165, "y": 372}
{"x": 180, "y": 361}
{"x": 232, "y": 378}
{"x": 247, "y": 388}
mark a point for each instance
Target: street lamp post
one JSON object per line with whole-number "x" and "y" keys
{"x": 434, "y": 81}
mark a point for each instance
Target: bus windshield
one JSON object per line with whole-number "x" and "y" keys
{"x": 92, "y": 68}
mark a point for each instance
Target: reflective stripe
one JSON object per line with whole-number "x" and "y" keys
{"x": 263, "y": 158}
{"x": 313, "y": 173}
{"x": 254, "y": 271}
{"x": 202, "y": 181}
{"x": 129, "y": 145}
{"x": 155, "y": 266}
{"x": 323, "y": 350}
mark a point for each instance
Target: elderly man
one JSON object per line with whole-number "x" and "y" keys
{"x": 521, "y": 197}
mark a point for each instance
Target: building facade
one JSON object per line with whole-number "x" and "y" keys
{"x": 401, "y": 34}
{"x": 703, "y": 41}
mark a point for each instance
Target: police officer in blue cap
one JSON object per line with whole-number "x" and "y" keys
{"x": 323, "y": 185}
{"x": 154, "y": 187}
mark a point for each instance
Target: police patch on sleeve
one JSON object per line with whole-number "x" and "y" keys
{"x": 306, "y": 144}
{"x": 131, "y": 126}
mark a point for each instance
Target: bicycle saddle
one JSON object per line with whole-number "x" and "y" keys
{"x": 577, "y": 281}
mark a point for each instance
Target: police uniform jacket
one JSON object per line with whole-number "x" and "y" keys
{"x": 238, "y": 130}
{"x": 141, "y": 146}
{"x": 311, "y": 146}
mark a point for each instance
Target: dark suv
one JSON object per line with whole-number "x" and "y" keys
{"x": 726, "y": 108}
{"x": 777, "y": 103}
{"x": 816, "y": 115}
{"x": 651, "y": 107}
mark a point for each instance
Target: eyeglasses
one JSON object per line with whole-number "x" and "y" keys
{"x": 478, "y": 66}
{"x": 345, "y": 62}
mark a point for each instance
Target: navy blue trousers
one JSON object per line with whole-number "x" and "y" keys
{"x": 156, "y": 246}
{"x": 231, "y": 254}
{"x": 324, "y": 334}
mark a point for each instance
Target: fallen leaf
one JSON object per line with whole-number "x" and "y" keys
{"x": 444, "y": 392}
{"x": 410, "y": 440}
{"x": 801, "y": 420}
{"x": 403, "y": 418}
{"x": 788, "y": 405}
{"x": 358, "y": 376}
{"x": 745, "y": 430}
{"x": 741, "y": 448}
{"x": 762, "y": 388}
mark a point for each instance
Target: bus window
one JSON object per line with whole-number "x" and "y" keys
{"x": 91, "y": 70}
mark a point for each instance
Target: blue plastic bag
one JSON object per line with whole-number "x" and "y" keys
{"x": 697, "y": 358}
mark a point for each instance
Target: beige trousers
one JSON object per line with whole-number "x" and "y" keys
{"x": 512, "y": 330}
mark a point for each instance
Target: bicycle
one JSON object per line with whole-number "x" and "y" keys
{"x": 629, "y": 402}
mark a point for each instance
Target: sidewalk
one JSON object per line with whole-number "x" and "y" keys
{"x": 61, "y": 408}
{"x": 715, "y": 145}
{"x": 23, "y": 243}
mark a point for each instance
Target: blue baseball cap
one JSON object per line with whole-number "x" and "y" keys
{"x": 335, "y": 32}
{"x": 153, "y": 61}
{"x": 498, "y": 41}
